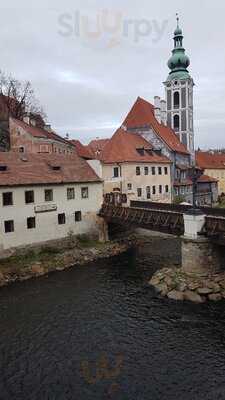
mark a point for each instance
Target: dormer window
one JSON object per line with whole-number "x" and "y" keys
{"x": 149, "y": 151}
{"x": 55, "y": 167}
{"x": 3, "y": 167}
{"x": 141, "y": 151}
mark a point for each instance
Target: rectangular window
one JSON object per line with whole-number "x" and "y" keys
{"x": 139, "y": 192}
{"x": 167, "y": 189}
{"x": 183, "y": 175}
{"x": 138, "y": 171}
{"x": 61, "y": 219}
{"x": 70, "y": 194}
{"x": 146, "y": 170}
{"x": 169, "y": 100}
{"x": 48, "y": 195}
{"x": 44, "y": 148}
{"x": 9, "y": 226}
{"x": 183, "y": 120}
{"x": 129, "y": 186}
{"x": 84, "y": 193}
{"x": 7, "y": 199}
{"x": 116, "y": 172}
{"x": 153, "y": 190}
{"x": 160, "y": 189}
{"x": 153, "y": 170}
{"x": 160, "y": 170}
{"x": 78, "y": 216}
{"x": 29, "y": 196}
{"x": 183, "y": 97}
{"x": 31, "y": 223}
{"x": 148, "y": 192}
{"x": 165, "y": 170}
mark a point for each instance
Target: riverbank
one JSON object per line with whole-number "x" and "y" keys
{"x": 45, "y": 260}
{"x": 178, "y": 285}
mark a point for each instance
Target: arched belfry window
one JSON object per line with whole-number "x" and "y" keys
{"x": 176, "y": 100}
{"x": 176, "y": 123}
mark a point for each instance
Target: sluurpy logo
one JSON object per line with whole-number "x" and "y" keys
{"x": 110, "y": 27}
{"x": 103, "y": 371}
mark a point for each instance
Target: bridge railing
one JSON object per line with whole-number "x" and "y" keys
{"x": 214, "y": 226}
{"x": 176, "y": 207}
{"x": 156, "y": 220}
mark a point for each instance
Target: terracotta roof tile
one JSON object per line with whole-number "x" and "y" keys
{"x": 82, "y": 151}
{"x": 98, "y": 144}
{"x": 186, "y": 182}
{"x": 206, "y": 179}
{"x": 202, "y": 179}
{"x": 39, "y": 132}
{"x": 123, "y": 145}
{"x": 34, "y": 169}
{"x": 142, "y": 115}
{"x": 208, "y": 160}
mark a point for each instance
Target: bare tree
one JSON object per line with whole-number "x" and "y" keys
{"x": 18, "y": 97}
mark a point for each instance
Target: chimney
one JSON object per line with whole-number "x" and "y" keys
{"x": 32, "y": 121}
{"x": 48, "y": 128}
{"x": 26, "y": 119}
{"x": 157, "y": 108}
{"x": 163, "y": 112}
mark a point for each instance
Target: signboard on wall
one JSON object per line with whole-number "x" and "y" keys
{"x": 45, "y": 208}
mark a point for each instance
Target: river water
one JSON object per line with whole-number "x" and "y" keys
{"x": 100, "y": 332}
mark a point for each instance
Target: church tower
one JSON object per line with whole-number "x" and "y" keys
{"x": 179, "y": 93}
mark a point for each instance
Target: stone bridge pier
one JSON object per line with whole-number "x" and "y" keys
{"x": 200, "y": 255}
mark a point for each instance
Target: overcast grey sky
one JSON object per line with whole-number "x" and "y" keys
{"x": 87, "y": 76}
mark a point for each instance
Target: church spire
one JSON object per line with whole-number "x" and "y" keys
{"x": 179, "y": 61}
{"x": 178, "y": 19}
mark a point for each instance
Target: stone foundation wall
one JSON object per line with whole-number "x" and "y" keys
{"x": 201, "y": 256}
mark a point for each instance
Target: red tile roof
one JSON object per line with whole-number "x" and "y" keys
{"x": 123, "y": 145}
{"x": 96, "y": 147}
{"x": 39, "y": 132}
{"x": 206, "y": 179}
{"x": 186, "y": 182}
{"x": 209, "y": 160}
{"x": 82, "y": 151}
{"x": 34, "y": 169}
{"x": 142, "y": 115}
{"x": 202, "y": 179}
{"x": 98, "y": 144}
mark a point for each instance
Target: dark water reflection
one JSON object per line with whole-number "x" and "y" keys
{"x": 54, "y": 331}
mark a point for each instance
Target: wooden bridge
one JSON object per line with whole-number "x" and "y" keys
{"x": 161, "y": 217}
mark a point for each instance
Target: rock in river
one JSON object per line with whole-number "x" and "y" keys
{"x": 175, "y": 295}
{"x": 193, "y": 296}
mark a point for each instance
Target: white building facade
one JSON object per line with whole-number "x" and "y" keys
{"x": 55, "y": 212}
{"x": 40, "y": 212}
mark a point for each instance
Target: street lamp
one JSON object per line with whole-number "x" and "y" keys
{"x": 195, "y": 174}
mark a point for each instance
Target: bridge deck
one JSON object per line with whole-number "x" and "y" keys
{"x": 160, "y": 221}
{"x": 163, "y": 218}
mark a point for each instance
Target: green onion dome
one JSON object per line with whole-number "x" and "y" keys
{"x": 179, "y": 61}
